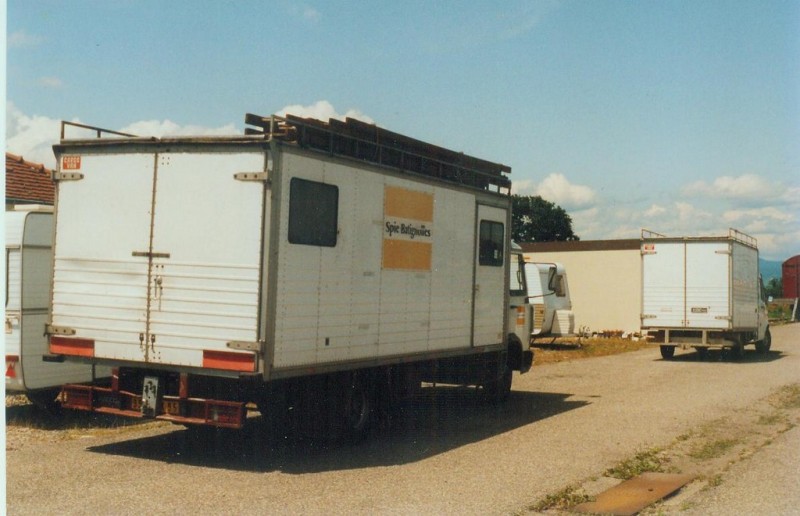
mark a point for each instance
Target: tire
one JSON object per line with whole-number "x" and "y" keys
{"x": 356, "y": 408}
{"x": 667, "y": 352}
{"x": 737, "y": 350}
{"x": 498, "y": 390}
{"x": 762, "y": 346}
{"x": 702, "y": 353}
{"x": 45, "y": 400}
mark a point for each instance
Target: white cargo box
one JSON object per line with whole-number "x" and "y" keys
{"x": 700, "y": 283}
{"x": 247, "y": 255}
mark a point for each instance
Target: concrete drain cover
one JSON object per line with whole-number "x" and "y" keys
{"x": 635, "y": 494}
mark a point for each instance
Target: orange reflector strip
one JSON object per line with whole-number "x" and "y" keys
{"x": 520, "y": 315}
{"x": 229, "y": 361}
{"x": 11, "y": 364}
{"x": 71, "y": 346}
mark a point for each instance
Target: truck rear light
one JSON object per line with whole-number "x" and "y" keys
{"x": 229, "y": 361}
{"x": 11, "y": 366}
{"x": 521, "y": 315}
{"x": 71, "y": 346}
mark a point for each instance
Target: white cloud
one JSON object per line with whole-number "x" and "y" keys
{"x": 556, "y": 188}
{"x": 51, "y": 82}
{"x": 160, "y": 128}
{"x": 747, "y": 186}
{"x": 31, "y": 136}
{"x": 21, "y": 39}
{"x": 766, "y": 213}
{"x": 34, "y": 136}
{"x": 322, "y": 110}
{"x": 311, "y": 14}
{"x": 655, "y": 210}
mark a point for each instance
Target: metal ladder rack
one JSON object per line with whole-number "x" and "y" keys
{"x": 358, "y": 140}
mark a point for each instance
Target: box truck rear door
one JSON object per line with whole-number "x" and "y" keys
{"x": 206, "y": 260}
{"x": 102, "y": 220}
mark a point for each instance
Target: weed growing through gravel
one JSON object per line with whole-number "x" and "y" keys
{"x": 648, "y": 461}
{"x": 564, "y": 499}
{"x": 713, "y": 449}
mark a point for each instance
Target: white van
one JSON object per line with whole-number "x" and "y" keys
{"x": 29, "y": 258}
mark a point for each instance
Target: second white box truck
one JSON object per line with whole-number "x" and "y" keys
{"x": 703, "y": 292}
{"x": 314, "y": 269}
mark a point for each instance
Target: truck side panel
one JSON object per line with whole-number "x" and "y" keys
{"x": 745, "y": 286}
{"x": 377, "y": 292}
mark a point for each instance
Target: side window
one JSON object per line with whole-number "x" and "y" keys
{"x": 313, "y": 213}
{"x": 490, "y": 247}
{"x": 517, "y": 276}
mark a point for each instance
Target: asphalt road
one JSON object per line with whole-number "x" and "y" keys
{"x": 450, "y": 453}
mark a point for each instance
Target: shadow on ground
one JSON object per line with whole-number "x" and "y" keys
{"x": 750, "y": 356}
{"x": 439, "y": 420}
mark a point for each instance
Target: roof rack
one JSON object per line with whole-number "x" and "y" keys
{"x": 733, "y": 234}
{"x": 98, "y": 130}
{"x": 358, "y": 140}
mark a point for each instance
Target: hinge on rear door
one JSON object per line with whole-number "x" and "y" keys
{"x": 67, "y": 176}
{"x": 251, "y": 176}
{"x": 51, "y": 329}
{"x": 244, "y": 345}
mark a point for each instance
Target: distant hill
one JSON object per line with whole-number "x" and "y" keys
{"x": 769, "y": 269}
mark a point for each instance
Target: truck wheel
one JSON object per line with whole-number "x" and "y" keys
{"x": 737, "y": 350}
{"x": 45, "y": 400}
{"x": 762, "y": 346}
{"x": 702, "y": 353}
{"x": 356, "y": 408}
{"x": 667, "y": 352}
{"x": 499, "y": 389}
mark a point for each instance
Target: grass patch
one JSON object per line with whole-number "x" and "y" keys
{"x": 564, "y": 350}
{"x": 564, "y": 499}
{"x": 648, "y": 461}
{"x": 713, "y": 449}
{"x": 788, "y": 397}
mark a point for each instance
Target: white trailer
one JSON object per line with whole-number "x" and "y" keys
{"x": 703, "y": 292}
{"x": 29, "y": 256}
{"x": 548, "y": 294}
{"x": 311, "y": 268}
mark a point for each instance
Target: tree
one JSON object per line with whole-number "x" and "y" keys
{"x": 774, "y": 287}
{"x": 534, "y": 219}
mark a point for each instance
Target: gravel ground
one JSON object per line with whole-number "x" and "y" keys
{"x": 565, "y": 423}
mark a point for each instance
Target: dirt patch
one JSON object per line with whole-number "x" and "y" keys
{"x": 707, "y": 452}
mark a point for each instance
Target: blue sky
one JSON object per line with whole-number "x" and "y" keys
{"x": 678, "y": 116}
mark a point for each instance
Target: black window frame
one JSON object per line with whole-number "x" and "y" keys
{"x": 311, "y": 221}
{"x": 491, "y": 239}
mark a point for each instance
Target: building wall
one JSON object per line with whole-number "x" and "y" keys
{"x": 605, "y": 285}
{"x": 791, "y": 277}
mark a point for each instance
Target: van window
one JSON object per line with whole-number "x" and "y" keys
{"x": 313, "y": 213}
{"x": 517, "y": 276}
{"x": 491, "y": 243}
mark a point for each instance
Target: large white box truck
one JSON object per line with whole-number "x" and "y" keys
{"x": 312, "y": 268}
{"x": 29, "y": 257}
{"x": 703, "y": 292}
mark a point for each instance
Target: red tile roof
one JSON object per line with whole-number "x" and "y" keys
{"x": 27, "y": 182}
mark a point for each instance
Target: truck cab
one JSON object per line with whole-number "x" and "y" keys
{"x": 520, "y": 315}
{"x": 548, "y": 295}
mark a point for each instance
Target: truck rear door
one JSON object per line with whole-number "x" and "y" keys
{"x": 158, "y": 258}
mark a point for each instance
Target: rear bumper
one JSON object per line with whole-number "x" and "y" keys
{"x": 187, "y": 411}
